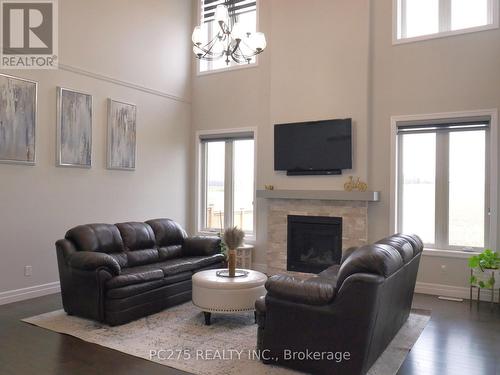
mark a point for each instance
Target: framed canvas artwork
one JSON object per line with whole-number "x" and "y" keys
{"x": 74, "y": 128}
{"x": 18, "y": 102}
{"x": 122, "y": 127}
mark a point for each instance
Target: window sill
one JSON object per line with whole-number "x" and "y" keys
{"x": 444, "y": 34}
{"x": 224, "y": 70}
{"x": 249, "y": 239}
{"x": 457, "y": 254}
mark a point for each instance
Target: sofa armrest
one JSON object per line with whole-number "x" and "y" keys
{"x": 91, "y": 261}
{"x": 315, "y": 291}
{"x": 201, "y": 245}
{"x": 65, "y": 249}
{"x": 347, "y": 253}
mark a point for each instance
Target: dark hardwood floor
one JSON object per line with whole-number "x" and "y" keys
{"x": 457, "y": 341}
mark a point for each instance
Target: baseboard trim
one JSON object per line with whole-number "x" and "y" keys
{"x": 427, "y": 288}
{"x": 29, "y": 292}
{"x": 452, "y": 291}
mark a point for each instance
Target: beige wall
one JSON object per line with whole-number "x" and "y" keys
{"x": 325, "y": 59}
{"x": 309, "y": 71}
{"x": 335, "y": 58}
{"x": 148, "y": 45}
{"x": 458, "y": 73}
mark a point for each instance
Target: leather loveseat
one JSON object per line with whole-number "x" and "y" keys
{"x": 118, "y": 273}
{"x": 356, "y": 307}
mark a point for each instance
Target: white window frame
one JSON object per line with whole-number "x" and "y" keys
{"x": 444, "y": 23}
{"x": 491, "y": 162}
{"x": 200, "y": 184}
{"x": 232, "y": 67}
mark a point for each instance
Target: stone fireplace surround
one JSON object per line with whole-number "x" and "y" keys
{"x": 354, "y": 216}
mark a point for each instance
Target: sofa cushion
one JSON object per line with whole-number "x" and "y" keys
{"x": 135, "y": 275}
{"x": 104, "y": 238}
{"x": 205, "y": 261}
{"x": 415, "y": 241}
{"x": 134, "y": 289}
{"x": 136, "y": 236}
{"x": 201, "y": 245}
{"x": 140, "y": 257}
{"x": 167, "y": 232}
{"x": 174, "y": 266}
{"x": 121, "y": 258}
{"x": 170, "y": 252}
{"x": 314, "y": 291}
{"x": 379, "y": 259}
{"x": 402, "y": 245}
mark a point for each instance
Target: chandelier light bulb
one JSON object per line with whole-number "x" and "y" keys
{"x": 221, "y": 14}
{"x": 259, "y": 41}
{"x": 196, "y": 37}
{"x": 237, "y": 31}
{"x": 198, "y": 52}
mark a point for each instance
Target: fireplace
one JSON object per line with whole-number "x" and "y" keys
{"x": 314, "y": 243}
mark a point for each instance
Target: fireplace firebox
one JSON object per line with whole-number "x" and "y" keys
{"x": 314, "y": 243}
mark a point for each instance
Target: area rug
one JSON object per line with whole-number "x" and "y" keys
{"x": 177, "y": 337}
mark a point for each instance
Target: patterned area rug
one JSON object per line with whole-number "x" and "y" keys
{"x": 178, "y": 338}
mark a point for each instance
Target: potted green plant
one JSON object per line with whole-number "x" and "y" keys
{"x": 485, "y": 269}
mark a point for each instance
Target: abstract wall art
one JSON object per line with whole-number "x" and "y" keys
{"x": 74, "y": 128}
{"x": 18, "y": 102}
{"x": 122, "y": 128}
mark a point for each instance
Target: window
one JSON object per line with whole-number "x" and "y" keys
{"x": 424, "y": 19}
{"x": 243, "y": 11}
{"x": 443, "y": 183}
{"x": 227, "y": 182}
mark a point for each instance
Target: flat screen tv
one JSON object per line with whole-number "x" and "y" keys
{"x": 313, "y": 148}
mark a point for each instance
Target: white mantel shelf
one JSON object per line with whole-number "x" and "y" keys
{"x": 332, "y": 195}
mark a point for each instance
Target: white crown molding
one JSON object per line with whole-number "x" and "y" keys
{"x": 102, "y": 77}
{"x": 29, "y": 292}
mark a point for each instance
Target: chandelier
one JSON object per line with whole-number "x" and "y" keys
{"x": 230, "y": 41}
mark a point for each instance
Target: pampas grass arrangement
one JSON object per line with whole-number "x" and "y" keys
{"x": 233, "y": 238}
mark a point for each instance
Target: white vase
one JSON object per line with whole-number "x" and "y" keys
{"x": 486, "y": 275}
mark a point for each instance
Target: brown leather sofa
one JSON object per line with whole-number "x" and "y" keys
{"x": 118, "y": 273}
{"x": 356, "y": 307}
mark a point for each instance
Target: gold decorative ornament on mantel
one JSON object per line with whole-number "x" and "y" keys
{"x": 355, "y": 184}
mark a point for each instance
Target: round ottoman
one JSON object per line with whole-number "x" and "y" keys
{"x": 226, "y": 295}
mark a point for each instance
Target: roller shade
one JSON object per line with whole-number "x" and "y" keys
{"x": 235, "y": 7}
{"x": 220, "y": 137}
{"x": 444, "y": 125}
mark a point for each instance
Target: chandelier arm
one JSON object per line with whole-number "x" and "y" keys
{"x": 255, "y": 51}
{"x": 236, "y": 46}
{"x": 221, "y": 25}
{"x": 239, "y": 57}
{"x": 242, "y": 57}
{"x": 207, "y": 50}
